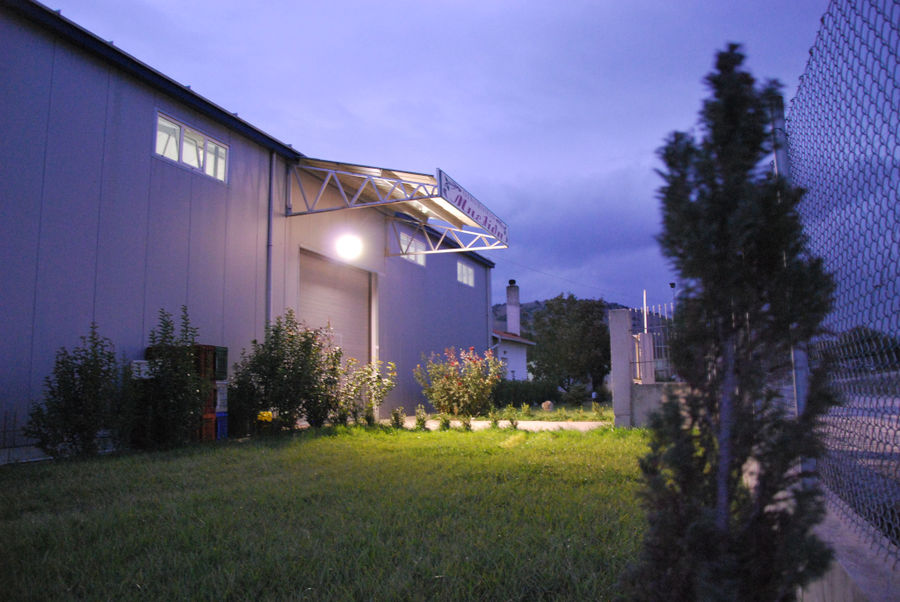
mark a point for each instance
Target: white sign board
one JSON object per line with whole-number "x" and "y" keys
{"x": 460, "y": 198}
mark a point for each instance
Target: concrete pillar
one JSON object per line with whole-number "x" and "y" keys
{"x": 513, "y": 309}
{"x": 621, "y": 345}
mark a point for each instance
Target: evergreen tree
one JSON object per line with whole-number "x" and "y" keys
{"x": 729, "y": 503}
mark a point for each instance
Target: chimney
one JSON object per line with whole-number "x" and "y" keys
{"x": 513, "y": 311}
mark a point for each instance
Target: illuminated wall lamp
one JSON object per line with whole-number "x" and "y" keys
{"x": 349, "y": 247}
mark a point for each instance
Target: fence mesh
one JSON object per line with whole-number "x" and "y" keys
{"x": 650, "y": 329}
{"x": 842, "y": 130}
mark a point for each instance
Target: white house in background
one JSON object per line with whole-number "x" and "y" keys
{"x": 511, "y": 346}
{"x": 123, "y": 192}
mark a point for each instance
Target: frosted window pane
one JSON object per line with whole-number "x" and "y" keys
{"x": 409, "y": 244}
{"x": 465, "y": 273}
{"x": 167, "y": 136}
{"x": 193, "y": 149}
{"x": 215, "y": 160}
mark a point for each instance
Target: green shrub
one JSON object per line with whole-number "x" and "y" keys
{"x": 466, "y": 422}
{"x": 459, "y": 384}
{"x": 421, "y": 418}
{"x": 369, "y": 416}
{"x": 170, "y": 408}
{"x": 81, "y": 397}
{"x": 398, "y": 416}
{"x": 512, "y": 416}
{"x": 295, "y": 371}
{"x": 444, "y": 422}
{"x": 494, "y": 417}
{"x": 576, "y": 396}
{"x": 516, "y": 392}
{"x": 363, "y": 389}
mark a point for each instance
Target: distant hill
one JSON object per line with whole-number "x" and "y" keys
{"x": 527, "y": 311}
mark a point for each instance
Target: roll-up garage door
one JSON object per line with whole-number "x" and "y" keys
{"x": 339, "y": 295}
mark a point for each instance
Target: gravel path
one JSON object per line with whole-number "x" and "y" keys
{"x": 524, "y": 425}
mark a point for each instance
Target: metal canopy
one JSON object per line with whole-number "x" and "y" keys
{"x": 447, "y": 217}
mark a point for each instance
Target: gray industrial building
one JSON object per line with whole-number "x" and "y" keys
{"x": 123, "y": 192}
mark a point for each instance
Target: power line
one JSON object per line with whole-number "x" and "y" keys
{"x": 557, "y": 277}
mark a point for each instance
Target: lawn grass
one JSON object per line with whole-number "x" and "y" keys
{"x": 343, "y": 513}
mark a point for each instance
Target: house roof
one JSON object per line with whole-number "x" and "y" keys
{"x": 512, "y": 338}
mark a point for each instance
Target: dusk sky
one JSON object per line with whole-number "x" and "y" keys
{"x": 549, "y": 112}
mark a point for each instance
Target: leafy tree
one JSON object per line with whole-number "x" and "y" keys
{"x": 572, "y": 342}
{"x": 729, "y": 511}
{"x": 172, "y": 398}
{"x": 80, "y": 399}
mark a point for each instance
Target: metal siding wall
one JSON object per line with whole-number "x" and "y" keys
{"x": 206, "y": 267}
{"x": 25, "y": 76}
{"x": 168, "y": 244}
{"x": 94, "y": 226}
{"x": 244, "y": 277}
{"x": 424, "y": 311}
{"x": 71, "y": 196}
{"x": 119, "y": 307}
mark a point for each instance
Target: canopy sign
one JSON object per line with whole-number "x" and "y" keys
{"x": 445, "y": 216}
{"x": 460, "y": 198}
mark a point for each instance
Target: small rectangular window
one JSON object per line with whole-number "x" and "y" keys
{"x": 168, "y": 135}
{"x": 465, "y": 273}
{"x": 215, "y": 160}
{"x": 193, "y": 149}
{"x": 189, "y": 147}
{"x": 412, "y": 249}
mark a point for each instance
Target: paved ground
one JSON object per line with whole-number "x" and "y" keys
{"x": 524, "y": 425}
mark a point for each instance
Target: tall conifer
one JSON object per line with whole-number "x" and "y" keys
{"x": 729, "y": 503}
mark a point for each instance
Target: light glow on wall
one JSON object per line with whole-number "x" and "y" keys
{"x": 349, "y": 247}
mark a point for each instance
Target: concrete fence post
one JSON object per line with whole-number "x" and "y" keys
{"x": 621, "y": 346}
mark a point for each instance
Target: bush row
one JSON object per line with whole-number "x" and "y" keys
{"x": 294, "y": 372}
{"x": 91, "y": 392}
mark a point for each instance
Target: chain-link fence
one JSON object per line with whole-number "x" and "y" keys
{"x": 842, "y": 129}
{"x": 650, "y": 327}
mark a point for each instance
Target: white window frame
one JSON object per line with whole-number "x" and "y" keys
{"x": 412, "y": 249}
{"x": 465, "y": 274}
{"x": 210, "y": 157}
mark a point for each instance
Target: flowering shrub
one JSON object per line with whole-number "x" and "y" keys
{"x": 460, "y": 384}
{"x": 264, "y": 417}
{"x": 363, "y": 389}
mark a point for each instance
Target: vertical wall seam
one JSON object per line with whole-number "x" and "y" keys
{"x": 147, "y": 237}
{"x": 228, "y": 201}
{"x": 187, "y": 275}
{"x": 103, "y": 152}
{"x": 37, "y": 251}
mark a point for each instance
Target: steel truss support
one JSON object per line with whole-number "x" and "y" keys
{"x": 440, "y": 238}
{"x": 414, "y": 198}
{"x": 357, "y": 189}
